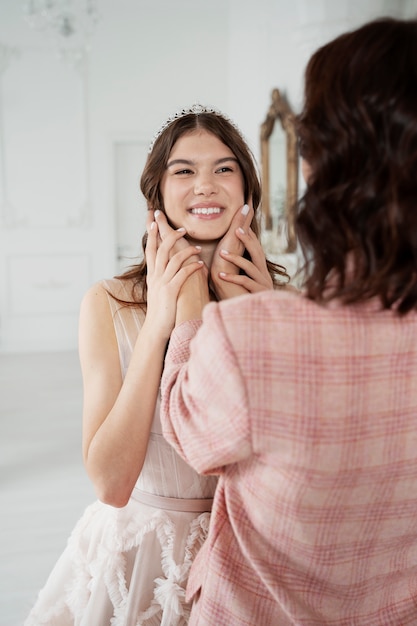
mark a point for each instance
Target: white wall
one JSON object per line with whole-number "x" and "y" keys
{"x": 63, "y": 124}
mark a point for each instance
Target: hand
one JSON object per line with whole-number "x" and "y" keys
{"x": 164, "y": 230}
{"x": 169, "y": 264}
{"x": 194, "y": 293}
{"x": 228, "y": 260}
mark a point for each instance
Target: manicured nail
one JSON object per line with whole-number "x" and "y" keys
{"x": 222, "y": 274}
{"x": 157, "y": 212}
{"x": 241, "y": 230}
{"x": 245, "y": 209}
{"x": 225, "y": 251}
{"x": 181, "y": 229}
{"x": 153, "y": 224}
{"x": 198, "y": 248}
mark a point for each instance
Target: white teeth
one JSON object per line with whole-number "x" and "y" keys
{"x": 206, "y": 210}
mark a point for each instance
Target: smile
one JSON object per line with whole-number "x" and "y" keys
{"x": 206, "y": 210}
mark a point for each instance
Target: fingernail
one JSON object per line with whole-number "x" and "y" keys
{"x": 222, "y": 274}
{"x": 157, "y": 212}
{"x": 225, "y": 251}
{"x": 241, "y": 230}
{"x": 197, "y": 247}
{"x": 181, "y": 229}
{"x": 152, "y": 225}
{"x": 245, "y": 209}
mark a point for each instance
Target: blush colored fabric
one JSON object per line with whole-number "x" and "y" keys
{"x": 309, "y": 417}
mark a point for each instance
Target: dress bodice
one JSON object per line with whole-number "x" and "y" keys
{"x": 164, "y": 472}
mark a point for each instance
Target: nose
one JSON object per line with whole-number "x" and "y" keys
{"x": 205, "y": 184}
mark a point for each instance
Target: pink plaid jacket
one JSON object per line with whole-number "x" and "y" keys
{"x": 309, "y": 416}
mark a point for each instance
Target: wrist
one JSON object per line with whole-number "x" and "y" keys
{"x": 192, "y": 298}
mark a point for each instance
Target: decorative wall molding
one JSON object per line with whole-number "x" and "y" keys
{"x": 53, "y": 286}
{"x": 44, "y": 141}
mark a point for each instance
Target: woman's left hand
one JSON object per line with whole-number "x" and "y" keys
{"x": 228, "y": 260}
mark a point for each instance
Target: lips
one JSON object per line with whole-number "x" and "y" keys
{"x": 213, "y": 210}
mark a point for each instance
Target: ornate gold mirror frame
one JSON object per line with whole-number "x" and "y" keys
{"x": 279, "y": 218}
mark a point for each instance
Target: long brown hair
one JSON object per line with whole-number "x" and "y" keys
{"x": 150, "y": 182}
{"x": 357, "y": 221}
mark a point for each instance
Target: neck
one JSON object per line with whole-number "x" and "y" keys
{"x": 207, "y": 250}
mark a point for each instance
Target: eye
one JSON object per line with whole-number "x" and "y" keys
{"x": 182, "y": 172}
{"x": 225, "y": 168}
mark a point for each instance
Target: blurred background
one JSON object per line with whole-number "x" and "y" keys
{"x": 84, "y": 85}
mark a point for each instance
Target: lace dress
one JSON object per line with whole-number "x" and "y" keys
{"x": 129, "y": 566}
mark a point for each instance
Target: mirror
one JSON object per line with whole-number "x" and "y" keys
{"x": 279, "y": 175}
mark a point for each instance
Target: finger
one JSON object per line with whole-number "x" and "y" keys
{"x": 249, "y": 284}
{"x": 241, "y": 222}
{"x": 253, "y": 246}
{"x": 243, "y": 264}
{"x": 168, "y": 247}
{"x": 245, "y": 217}
{"x": 164, "y": 228}
{"x": 259, "y": 275}
{"x": 229, "y": 241}
{"x": 151, "y": 245}
{"x": 242, "y": 218}
{"x": 249, "y": 242}
{"x": 183, "y": 258}
{"x": 185, "y": 272}
{"x": 149, "y": 219}
{"x": 165, "y": 231}
{"x": 247, "y": 213}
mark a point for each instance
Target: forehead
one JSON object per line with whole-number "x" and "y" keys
{"x": 199, "y": 142}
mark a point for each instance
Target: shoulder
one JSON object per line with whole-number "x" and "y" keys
{"x": 95, "y": 310}
{"x": 102, "y": 300}
{"x": 95, "y": 299}
{"x": 97, "y": 341}
{"x": 105, "y": 291}
{"x": 265, "y": 303}
{"x": 96, "y": 293}
{"x": 265, "y": 316}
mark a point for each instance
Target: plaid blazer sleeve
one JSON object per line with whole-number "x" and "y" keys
{"x": 208, "y": 428}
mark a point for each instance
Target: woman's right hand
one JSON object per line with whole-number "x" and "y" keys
{"x": 170, "y": 260}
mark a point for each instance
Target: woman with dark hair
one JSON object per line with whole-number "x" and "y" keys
{"x": 314, "y": 518}
{"x": 127, "y": 560}
{"x": 357, "y": 221}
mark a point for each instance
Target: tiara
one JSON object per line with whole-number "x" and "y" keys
{"x": 195, "y": 109}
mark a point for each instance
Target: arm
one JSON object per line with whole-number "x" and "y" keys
{"x": 117, "y": 415}
{"x": 205, "y": 408}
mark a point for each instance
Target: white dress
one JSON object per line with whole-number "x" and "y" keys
{"x": 129, "y": 566}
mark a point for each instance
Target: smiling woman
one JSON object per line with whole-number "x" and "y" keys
{"x": 128, "y": 559}
{"x": 203, "y": 192}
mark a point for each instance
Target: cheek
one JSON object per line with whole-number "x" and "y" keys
{"x": 172, "y": 222}
{"x": 241, "y": 195}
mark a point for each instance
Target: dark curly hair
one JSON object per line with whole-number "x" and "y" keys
{"x": 154, "y": 170}
{"x": 357, "y": 221}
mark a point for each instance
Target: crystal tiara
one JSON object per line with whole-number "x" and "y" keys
{"x": 195, "y": 109}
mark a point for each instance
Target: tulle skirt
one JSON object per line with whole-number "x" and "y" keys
{"x": 123, "y": 567}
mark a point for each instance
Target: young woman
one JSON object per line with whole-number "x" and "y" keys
{"x": 128, "y": 559}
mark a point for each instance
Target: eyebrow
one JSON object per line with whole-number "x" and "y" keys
{"x": 189, "y": 162}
